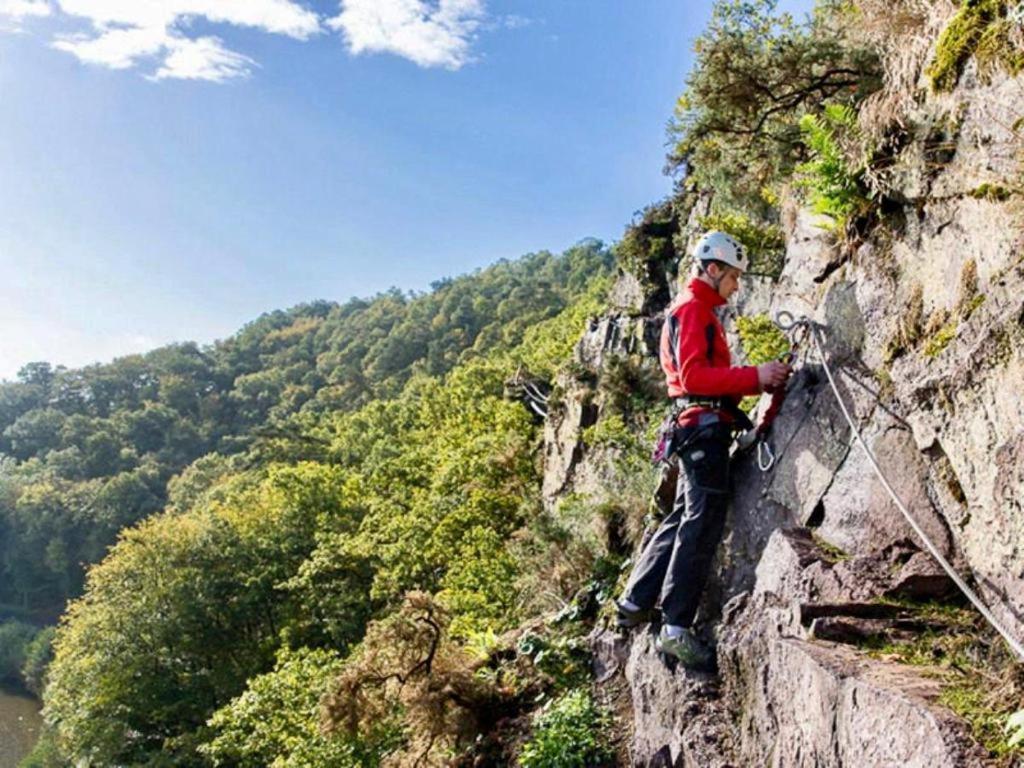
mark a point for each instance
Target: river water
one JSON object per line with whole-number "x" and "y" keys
{"x": 19, "y": 728}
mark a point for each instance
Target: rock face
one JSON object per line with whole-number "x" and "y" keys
{"x": 925, "y": 329}
{"x": 823, "y": 705}
{"x": 568, "y": 468}
{"x": 803, "y": 701}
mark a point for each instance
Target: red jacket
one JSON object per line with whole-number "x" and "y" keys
{"x": 694, "y": 353}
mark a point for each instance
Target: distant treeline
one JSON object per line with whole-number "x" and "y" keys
{"x": 85, "y": 453}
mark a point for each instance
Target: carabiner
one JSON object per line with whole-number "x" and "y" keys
{"x": 784, "y": 319}
{"x": 765, "y": 456}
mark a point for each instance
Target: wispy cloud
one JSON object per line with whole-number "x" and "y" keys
{"x": 514, "y": 21}
{"x": 432, "y": 34}
{"x": 116, "y": 48}
{"x": 19, "y": 9}
{"x": 14, "y": 12}
{"x": 203, "y": 59}
{"x": 276, "y": 16}
{"x": 123, "y": 34}
{"x": 126, "y": 33}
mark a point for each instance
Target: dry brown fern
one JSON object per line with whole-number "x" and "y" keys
{"x": 407, "y": 668}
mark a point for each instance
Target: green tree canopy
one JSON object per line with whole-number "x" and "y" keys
{"x": 736, "y": 129}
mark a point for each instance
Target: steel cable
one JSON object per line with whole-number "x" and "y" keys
{"x": 932, "y": 549}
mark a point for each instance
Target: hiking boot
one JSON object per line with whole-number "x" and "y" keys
{"x": 629, "y": 616}
{"x": 686, "y": 647}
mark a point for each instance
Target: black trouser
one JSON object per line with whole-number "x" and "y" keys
{"x": 675, "y": 563}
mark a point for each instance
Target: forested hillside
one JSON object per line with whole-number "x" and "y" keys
{"x": 87, "y": 452}
{"x": 272, "y": 493}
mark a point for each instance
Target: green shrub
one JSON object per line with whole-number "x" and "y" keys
{"x": 45, "y": 754}
{"x": 944, "y": 325}
{"x": 941, "y": 339}
{"x": 832, "y": 185}
{"x": 762, "y": 342}
{"x": 647, "y": 247}
{"x": 631, "y": 385}
{"x": 38, "y": 655}
{"x": 14, "y": 639}
{"x": 974, "y": 703}
{"x": 547, "y": 345}
{"x": 563, "y": 553}
{"x": 476, "y": 587}
{"x": 275, "y": 722}
{"x": 761, "y": 338}
{"x": 610, "y": 431}
{"x": 568, "y": 733}
{"x": 965, "y": 656}
{"x": 958, "y": 41}
{"x": 563, "y": 656}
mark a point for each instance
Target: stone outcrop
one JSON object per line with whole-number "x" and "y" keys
{"x": 925, "y": 327}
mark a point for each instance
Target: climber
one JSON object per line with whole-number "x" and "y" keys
{"x": 706, "y": 390}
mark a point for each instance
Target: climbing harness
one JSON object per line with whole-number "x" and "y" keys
{"x": 664, "y": 444}
{"x": 789, "y": 324}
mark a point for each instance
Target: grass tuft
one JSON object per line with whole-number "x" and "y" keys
{"x": 981, "y": 681}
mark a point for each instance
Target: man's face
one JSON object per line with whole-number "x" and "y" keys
{"x": 730, "y": 282}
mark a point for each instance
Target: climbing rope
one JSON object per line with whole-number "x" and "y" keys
{"x": 788, "y": 323}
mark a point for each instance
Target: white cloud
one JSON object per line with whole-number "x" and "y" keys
{"x": 116, "y": 48}
{"x": 283, "y": 17}
{"x": 20, "y": 9}
{"x": 432, "y": 34}
{"x": 127, "y": 32}
{"x": 14, "y": 12}
{"x": 122, "y": 34}
{"x": 203, "y": 59}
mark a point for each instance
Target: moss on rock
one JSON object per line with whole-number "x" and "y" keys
{"x": 995, "y": 193}
{"x": 980, "y": 28}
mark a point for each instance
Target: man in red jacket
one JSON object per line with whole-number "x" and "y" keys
{"x": 706, "y": 388}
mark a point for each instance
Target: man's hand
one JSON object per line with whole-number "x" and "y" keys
{"x": 772, "y": 375}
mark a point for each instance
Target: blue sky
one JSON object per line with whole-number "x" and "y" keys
{"x": 169, "y": 169}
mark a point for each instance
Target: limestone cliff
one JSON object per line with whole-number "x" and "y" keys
{"x": 924, "y": 319}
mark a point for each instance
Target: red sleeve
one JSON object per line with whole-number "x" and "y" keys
{"x": 696, "y": 373}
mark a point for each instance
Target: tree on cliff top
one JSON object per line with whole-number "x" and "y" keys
{"x": 736, "y": 129}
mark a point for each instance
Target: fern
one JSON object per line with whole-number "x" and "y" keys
{"x": 832, "y": 185}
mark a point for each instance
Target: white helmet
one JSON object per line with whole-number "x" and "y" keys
{"x": 718, "y": 246}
